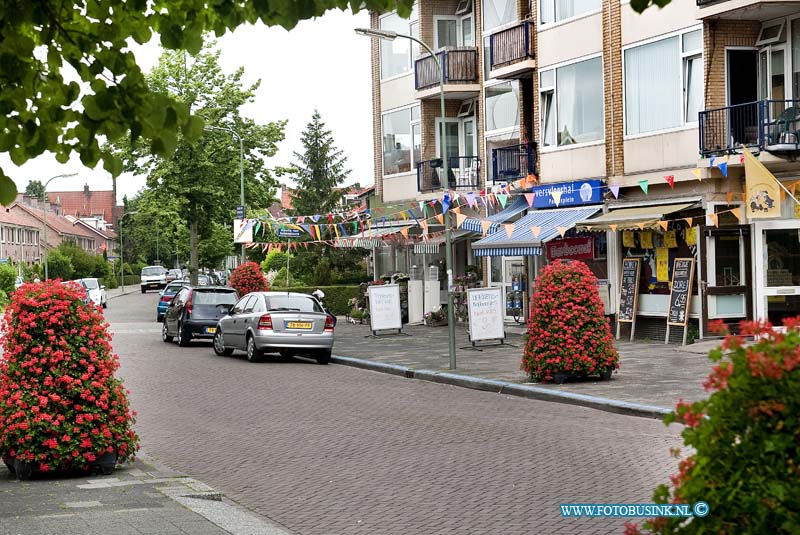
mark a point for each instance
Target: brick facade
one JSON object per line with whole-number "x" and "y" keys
{"x": 612, "y": 87}
{"x": 377, "y": 146}
{"x": 717, "y": 35}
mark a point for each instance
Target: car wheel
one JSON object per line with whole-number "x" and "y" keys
{"x": 159, "y": 318}
{"x": 219, "y": 345}
{"x": 183, "y": 337}
{"x": 164, "y": 336}
{"x": 105, "y": 304}
{"x": 253, "y": 353}
{"x": 143, "y": 290}
{"x": 323, "y": 357}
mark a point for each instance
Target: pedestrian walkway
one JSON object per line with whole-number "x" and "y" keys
{"x": 652, "y": 374}
{"x": 137, "y": 498}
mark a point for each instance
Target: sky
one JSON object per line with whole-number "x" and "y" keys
{"x": 320, "y": 63}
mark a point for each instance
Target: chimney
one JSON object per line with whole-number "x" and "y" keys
{"x": 86, "y": 189}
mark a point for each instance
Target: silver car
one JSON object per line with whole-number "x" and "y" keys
{"x": 276, "y": 322}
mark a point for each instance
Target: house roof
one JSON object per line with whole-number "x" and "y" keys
{"x": 13, "y": 218}
{"x": 107, "y": 234}
{"x": 56, "y": 222}
{"x": 84, "y": 203}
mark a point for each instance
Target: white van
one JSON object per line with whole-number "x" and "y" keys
{"x": 153, "y": 278}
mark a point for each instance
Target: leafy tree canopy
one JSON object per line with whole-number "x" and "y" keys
{"x": 68, "y": 77}
{"x": 35, "y": 188}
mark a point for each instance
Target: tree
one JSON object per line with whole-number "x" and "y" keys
{"x": 202, "y": 175}
{"x": 44, "y": 110}
{"x": 35, "y": 189}
{"x": 320, "y": 170}
{"x": 59, "y": 265}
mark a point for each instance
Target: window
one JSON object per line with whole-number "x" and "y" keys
{"x": 502, "y": 106}
{"x": 663, "y": 83}
{"x": 572, "y": 103}
{"x": 453, "y": 31}
{"x": 397, "y": 56}
{"x": 795, "y": 57}
{"x": 293, "y": 302}
{"x": 498, "y": 12}
{"x": 401, "y": 136}
{"x": 771, "y": 32}
{"x": 558, "y": 10}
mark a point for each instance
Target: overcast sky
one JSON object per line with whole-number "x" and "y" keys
{"x": 320, "y": 63}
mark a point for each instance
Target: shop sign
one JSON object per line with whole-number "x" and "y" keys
{"x": 572, "y": 194}
{"x": 574, "y": 248}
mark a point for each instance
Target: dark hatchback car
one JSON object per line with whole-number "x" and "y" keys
{"x": 194, "y": 313}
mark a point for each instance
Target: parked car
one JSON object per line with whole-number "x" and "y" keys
{"x": 97, "y": 292}
{"x": 18, "y": 282}
{"x": 86, "y": 299}
{"x": 276, "y": 322}
{"x": 153, "y": 278}
{"x": 194, "y": 313}
{"x": 202, "y": 280}
{"x": 174, "y": 274}
{"x": 166, "y": 297}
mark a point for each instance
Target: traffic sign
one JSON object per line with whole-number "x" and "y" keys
{"x": 288, "y": 233}
{"x": 239, "y": 211}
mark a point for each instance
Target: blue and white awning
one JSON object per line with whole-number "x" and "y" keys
{"x": 522, "y": 241}
{"x": 517, "y": 207}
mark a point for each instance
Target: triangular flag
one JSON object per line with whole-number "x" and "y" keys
{"x": 724, "y": 168}
{"x": 556, "y": 194}
{"x": 688, "y": 221}
{"x": 301, "y": 219}
{"x": 714, "y": 219}
{"x": 640, "y": 225}
{"x": 457, "y": 209}
{"x": 485, "y": 226}
{"x": 529, "y": 198}
{"x": 535, "y": 231}
{"x": 315, "y": 218}
{"x": 663, "y": 225}
{"x": 729, "y": 197}
{"x": 404, "y": 231}
{"x": 670, "y": 180}
{"x": 403, "y": 215}
{"x": 613, "y": 227}
{"x": 424, "y": 225}
{"x": 698, "y": 174}
{"x": 330, "y": 218}
{"x": 738, "y": 213}
{"x": 614, "y": 191}
{"x": 471, "y": 199}
{"x": 644, "y": 184}
{"x": 562, "y": 230}
{"x": 711, "y": 161}
{"x": 440, "y": 218}
{"x": 460, "y": 218}
{"x": 509, "y": 229}
{"x": 503, "y": 200}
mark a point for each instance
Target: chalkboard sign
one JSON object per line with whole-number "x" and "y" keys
{"x": 629, "y": 290}
{"x": 681, "y": 293}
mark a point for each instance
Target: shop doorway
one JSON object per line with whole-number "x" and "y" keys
{"x": 777, "y": 276}
{"x": 725, "y": 267}
{"x": 508, "y": 273}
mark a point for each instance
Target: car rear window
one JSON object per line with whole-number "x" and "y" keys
{"x": 153, "y": 271}
{"x": 90, "y": 283}
{"x": 293, "y": 302}
{"x": 219, "y": 297}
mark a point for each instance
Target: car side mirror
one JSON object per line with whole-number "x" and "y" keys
{"x": 227, "y": 308}
{"x": 102, "y": 287}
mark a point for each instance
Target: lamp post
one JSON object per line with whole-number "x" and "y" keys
{"x": 389, "y": 35}
{"x": 44, "y": 217}
{"x": 121, "y": 258}
{"x": 241, "y": 167}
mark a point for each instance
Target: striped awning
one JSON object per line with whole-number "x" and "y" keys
{"x": 372, "y": 237}
{"x": 432, "y": 246}
{"x": 522, "y": 242}
{"x": 640, "y": 217}
{"x": 518, "y": 206}
{"x": 426, "y": 248}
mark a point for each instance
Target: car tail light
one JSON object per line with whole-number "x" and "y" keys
{"x": 189, "y": 305}
{"x": 166, "y": 298}
{"x": 265, "y": 322}
{"x": 329, "y": 323}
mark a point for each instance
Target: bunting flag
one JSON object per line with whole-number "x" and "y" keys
{"x": 315, "y": 218}
{"x": 460, "y": 218}
{"x": 644, "y": 184}
{"x": 503, "y": 199}
{"x": 614, "y": 191}
{"x": 698, "y": 173}
{"x": 562, "y": 230}
{"x": 670, "y": 180}
{"x": 664, "y": 225}
{"x": 613, "y": 227}
{"x": 714, "y": 219}
{"x": 738, "y": 213}
{"x": 424, "y": 225}
{"x": 724, "y": 168}
{"x": 301, "y": 219}
{"x": 440, "y": 218}
{"x": 689, "y": 221}
{"x": 640, "y": 225}
{"x": 457, "y": 209}
{"x": 509, "y": 229}
{"x": 711, "y": 161}
{"x": 529, "y": 198}
{"x": 264, "y": 248}
{"x": 404, "y": 231}
{"x": 344, "y": 232}
{"x": 535, "y": 231}
{"x": 404, "y": 216}
{"x": 445, "y": 203}
{"x": 319, "y": 235}
{"x": 556, "y": 194}
{"x": 485, "y": 226}
{"x": 330, "y": 218}
{"x": 471, "y": 199}
{"x": 336, "y": 230}
{"x": 729, "y": 197}
{"x": 258, "y": 227}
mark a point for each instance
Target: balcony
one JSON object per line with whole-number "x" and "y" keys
{"x": 464, "y": 172}
{"x": 766, "y": 125}
{"x": 760, "y": 10}
{"x": 514, "y": 162}
{"x": 511, "y": 53}
{"x": 460, "y": 67}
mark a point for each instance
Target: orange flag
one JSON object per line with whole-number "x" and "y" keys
{"x": 738, "y": 213}
{"x": 535, "y": 231}
{"x": 688, "y": 220}
{"x": 485, "y": 226}
{"x": 714, "y": 219}
{"x": 460, "y": 218}
{"x": 509, "y": 229}
{"x": 640, "y": 225}
{"x": 562, "y": 230}
{"x": 440, "y": 218}
{"x": 457, "y": 209}
{"x": 404, "y": 231}
{"x": 613, "y": 227}
{"x": 663, "y": 225}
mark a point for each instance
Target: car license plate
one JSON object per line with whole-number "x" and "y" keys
{"x": 298, "y": 324}
{"x": 211, "y": 330}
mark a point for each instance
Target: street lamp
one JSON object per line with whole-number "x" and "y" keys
{"x": 44, "y": 216}
{"x": 241, "y": 167}
{"x": 121, "y": 259}
{"x": 389, "y": 35}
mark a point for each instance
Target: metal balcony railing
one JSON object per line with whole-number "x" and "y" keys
{"x": 514, "y": 162}
{"x": 511, "y": 45}
{"x": 460, "y": 65}
{"x": 464, "y": 172}
{"x": 763, "y": 125}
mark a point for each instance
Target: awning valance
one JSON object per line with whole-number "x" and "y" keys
{"x": 522, "y": 241}
{"x": 372, "y": 237}
{"x": 518, "y": 206}
{"x": 638, "y": 217}
{"x": 432, "y": 246}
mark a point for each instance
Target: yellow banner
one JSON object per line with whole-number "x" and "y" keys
{"x": 662, "y": 264}
{"x": 646, "y": 239}
{"x": 670, "y": 240}
{"x": 691, "y": 236}
{"x": 627, "y": 239}
{"x": 762, "y": 189}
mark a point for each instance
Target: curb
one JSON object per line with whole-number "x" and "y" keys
{"x": 121, "y": 294}
{"x": 504, "y": 387}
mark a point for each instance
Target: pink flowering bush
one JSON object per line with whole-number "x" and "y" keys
{"x": 248, "y": 278}
{"x": 61, "y": 407}
{"x": 567, "y": 331}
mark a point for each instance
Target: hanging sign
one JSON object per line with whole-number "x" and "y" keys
{"x": 242, "y": 231}
{"x": 680, "y": 294}
{"x": 568, "y": 194}
{"x": 239, "y": 211}
{"x": 384, "y": 307}
{"x": 486, "y": 314}
{"x": 574, "y": 248}
{"x": 629, "y": 290}
{"x": 288, "y": 233}
{"x": 662, "y": 264}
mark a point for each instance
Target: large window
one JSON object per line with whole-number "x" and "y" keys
{"x": 572, "y": 103}
{"x": 401, "y": 140}
{"x": 397, "y": 56}
{"x": 663, "y": 83}
{"x": 558, "y": 10}
{"x": 502, "y": 106}
{"x": 498, "y": 12}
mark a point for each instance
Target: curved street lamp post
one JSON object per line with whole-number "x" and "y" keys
{"x": 44, "y": 217}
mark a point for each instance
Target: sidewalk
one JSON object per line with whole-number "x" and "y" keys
{"x": 138, "y": 498}
{"x": 651, "y": 374}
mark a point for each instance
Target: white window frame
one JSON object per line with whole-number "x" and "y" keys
{"x": 554, "y": 68}
{"x": 685, "y": 125}
{"x": 461, "y": 141}
{"x": 411, "y": 124}
{"x": 497, "y": 131}
{"x": 458, "y": 19}
{"x": 771, "y": 24}
{"x": 556, "y": 23}
{"x": 411, "y": 46}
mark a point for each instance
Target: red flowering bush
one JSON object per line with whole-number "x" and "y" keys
{"x": 60, "y": 405}
{"x": 567, "y": 331}
{"x": 248, "y": 278}
{"x": 745, "y": 439}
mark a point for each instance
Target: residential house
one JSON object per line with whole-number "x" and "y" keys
{"x": 19, "y": 238}
{"x": 59, "y": 228}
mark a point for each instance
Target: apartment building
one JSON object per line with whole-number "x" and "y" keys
{"x": 19, "y": 239}
{"x": 633, "y": 125}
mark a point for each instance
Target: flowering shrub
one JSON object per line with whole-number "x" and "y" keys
{"x": 745, "y": 439}
{"x": 567, "y": 331}
{"x": 248, "y": 278}
{"x": 60, "y": 404}
{"x": 435, "y": 317}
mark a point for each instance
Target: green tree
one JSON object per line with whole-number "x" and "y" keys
{"x": 91, "y": 39}
{"x": 216, "y": 246}
{"x": 35, "y": 188}
{"x": 320, "y": 170}
{"x": 8, "y": 276}
{"x": 59, "y": 265}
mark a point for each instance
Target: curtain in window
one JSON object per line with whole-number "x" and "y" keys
{"x": 693, "y": 78}
{"x": 652, "y": 87}
{"x": 579, "y": 101}
{"x": 502, "y": 106}
{"x": 565, "y": 9}
{"x": 498, "y": 12}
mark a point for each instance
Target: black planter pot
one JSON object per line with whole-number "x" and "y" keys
{"x": 23, "y": 469}
{"x": 106, "y": 463}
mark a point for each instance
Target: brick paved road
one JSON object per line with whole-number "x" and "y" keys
{"x": 334, "y": 449}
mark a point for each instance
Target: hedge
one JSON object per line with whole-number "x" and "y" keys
{"x": 336, "y": 297}
{"x": 130, "y": 280}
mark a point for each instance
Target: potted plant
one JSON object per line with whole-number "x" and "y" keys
{"x": 436, "y": 318}
{"x": 248, "y": 278}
